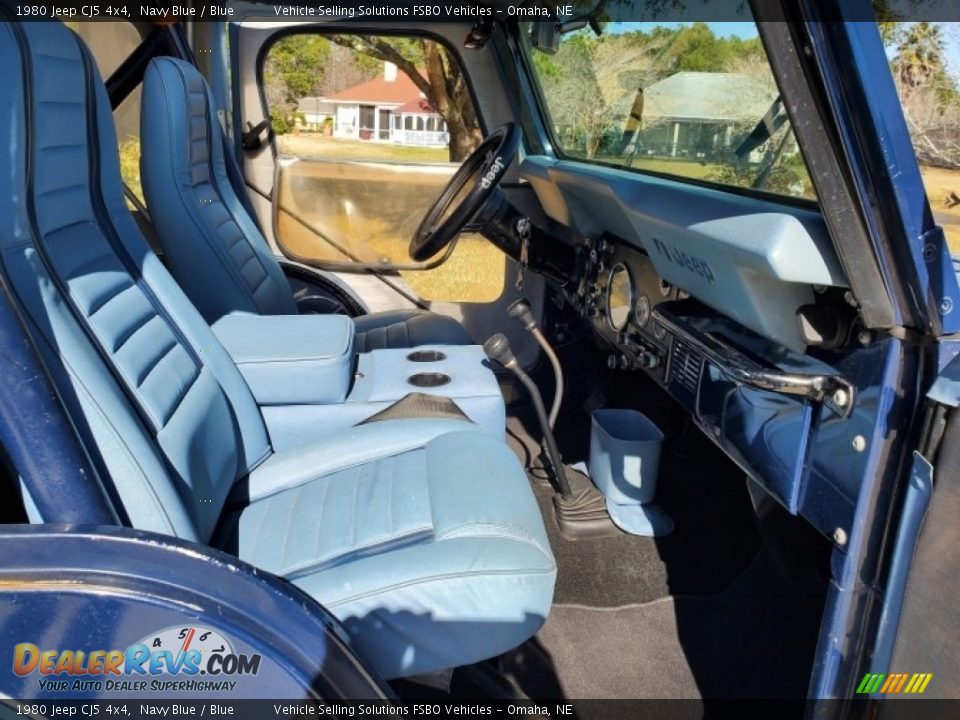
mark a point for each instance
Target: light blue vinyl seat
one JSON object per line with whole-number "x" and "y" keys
{"x": 213, "y": 247}
{"x": 422, "y": 536}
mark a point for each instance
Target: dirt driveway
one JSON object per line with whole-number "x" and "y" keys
{"x": 940, "y": 183}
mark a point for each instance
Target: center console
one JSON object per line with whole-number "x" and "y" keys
{"x": 308, "y": 382}
{"x": 384, "y": 377}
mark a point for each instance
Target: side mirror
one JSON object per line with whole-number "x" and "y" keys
{"x": 544, "y": 36}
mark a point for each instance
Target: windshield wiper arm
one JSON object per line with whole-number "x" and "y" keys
{"x": 766, "y": 128}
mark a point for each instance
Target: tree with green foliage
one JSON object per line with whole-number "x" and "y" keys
{"x": 294, "y": 68}
{"x": 305, "y": 64}
{"x": 928, "y": 92}
{"x": 919, "y": 57}
{"x": 696, "y": 49}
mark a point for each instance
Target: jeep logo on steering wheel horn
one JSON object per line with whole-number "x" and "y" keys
{"x": 490, "y": 176}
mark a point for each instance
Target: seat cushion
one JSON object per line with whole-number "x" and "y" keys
{"x": 432, "y": 553}
{"x": 406, "y": 329}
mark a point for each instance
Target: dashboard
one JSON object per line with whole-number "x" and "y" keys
{"x": 705, "y": 292}
{"x": 753, "y": 260}
{"x": 758, "y": 400}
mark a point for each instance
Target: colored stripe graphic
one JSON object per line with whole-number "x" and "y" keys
{"x": 894, "y": 683}
{"x": 903, "y": 680}
{"x": 870, "y": 683}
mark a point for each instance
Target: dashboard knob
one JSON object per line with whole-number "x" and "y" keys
{"x": 649, "y": 360}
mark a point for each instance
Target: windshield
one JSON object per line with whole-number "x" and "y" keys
{"x": 695, "y": 100}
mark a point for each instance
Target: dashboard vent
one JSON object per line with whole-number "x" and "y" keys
{"x": 685, "y": 367}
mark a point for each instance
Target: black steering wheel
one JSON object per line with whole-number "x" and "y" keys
{"x": 472, "y": 185}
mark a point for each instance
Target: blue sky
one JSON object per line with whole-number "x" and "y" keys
{"x": 723, "y": 29}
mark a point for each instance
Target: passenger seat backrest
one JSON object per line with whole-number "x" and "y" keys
{"x": 159, "y": 393}
{"x": 214, "y": 249}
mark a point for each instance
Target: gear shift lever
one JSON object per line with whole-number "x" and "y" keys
{"x": 497, "y": 347}
{"x": 581, "y": 511}
{"x": 520, "y": 310}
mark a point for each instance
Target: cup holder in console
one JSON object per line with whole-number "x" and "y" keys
{"x": 428, "y": 380}
{"x": 426, "y": 356}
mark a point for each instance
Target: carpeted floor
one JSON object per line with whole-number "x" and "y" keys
{"x": 754, "y": 639}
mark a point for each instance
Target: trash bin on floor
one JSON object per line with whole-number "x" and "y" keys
{"x": 624, "y": 461}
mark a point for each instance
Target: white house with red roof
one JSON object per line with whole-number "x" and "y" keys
{"x": 390, "y": 108}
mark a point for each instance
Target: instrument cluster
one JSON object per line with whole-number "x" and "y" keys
{"x": 617, "y": 294}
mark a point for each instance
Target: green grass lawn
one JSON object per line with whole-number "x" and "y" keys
{"x": 312, "y": 145}
{"x": 684, "y": 168}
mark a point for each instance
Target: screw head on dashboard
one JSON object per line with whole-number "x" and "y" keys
{"x": 841, "y": 397}
{"x": 840, "y": 536}
{"x": 859, "y": 443}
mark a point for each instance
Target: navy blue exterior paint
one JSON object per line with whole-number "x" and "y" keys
{"x": 37, "y": 434}
{"x": 913, "y": 257}
{"x": 911, "y": 250}
{"x": 837, "y": 473}
{"x": 854, "y": 596}
{"x": 165, "y": 583}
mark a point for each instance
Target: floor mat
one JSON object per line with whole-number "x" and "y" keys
{"x": 713, "y": 541}
{"x": 754, "y": 639}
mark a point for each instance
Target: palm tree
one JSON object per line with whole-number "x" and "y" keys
{"x": 919, "y": 56}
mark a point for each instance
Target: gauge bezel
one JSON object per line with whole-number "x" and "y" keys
{"x": 643, "y": 300}
{"x": 631, "y": 292}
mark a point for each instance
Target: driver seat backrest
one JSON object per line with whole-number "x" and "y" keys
{"x": 213, "y": 247}
{"x": 154, "y": 392}
{"x": 207, "y": 235}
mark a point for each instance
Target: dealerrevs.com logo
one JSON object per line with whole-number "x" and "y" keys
{"x": 172, "y": 659}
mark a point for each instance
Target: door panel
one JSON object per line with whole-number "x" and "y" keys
{"x": 353, "y": 182}
{"x": 367, "y": 212}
